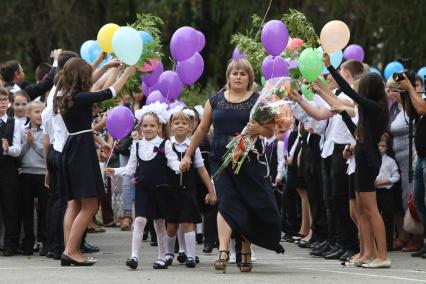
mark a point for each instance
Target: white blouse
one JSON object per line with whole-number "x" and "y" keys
{"x": 181, "y": 147}
{"x": 146, "y": 153}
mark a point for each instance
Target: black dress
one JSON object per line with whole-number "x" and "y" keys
{"x": 246, "y": 200}
{"x": 80, "y": 165}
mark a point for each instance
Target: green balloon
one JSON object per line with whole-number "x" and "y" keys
{"x": 310, "y": 64}
{"x": 323, "y": 80}
{"x": 307, "y": 92}
{"x": 262, "y": 80}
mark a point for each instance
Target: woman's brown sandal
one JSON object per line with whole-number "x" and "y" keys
{"x": 246, "y": 266}
{"x": 221, "y": 263}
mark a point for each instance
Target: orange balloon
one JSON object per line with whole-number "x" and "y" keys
{"x": 334, "y": 36}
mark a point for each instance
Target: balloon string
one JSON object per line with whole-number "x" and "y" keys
{"x": 263, "y": 20}
{"x": 110, "y": 154}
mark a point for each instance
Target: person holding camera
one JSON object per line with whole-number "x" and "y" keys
{"x": 419, "y": 195}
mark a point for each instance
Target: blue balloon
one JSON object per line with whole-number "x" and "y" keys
{"x": 375, "y": 70}
{"x": 127, "y": 45}
{"x": 84, "y": 50}
{"x": 335, "y": 59}
{"x": 145, "y": 37}
{"x": 94, "y": 51}
{"x": 393, "y": 67}
{"x": 422, "y": 72}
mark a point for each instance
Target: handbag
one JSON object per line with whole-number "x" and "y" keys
{"x": 412, "y": 223}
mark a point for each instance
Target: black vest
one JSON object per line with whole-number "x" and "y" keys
{"x": 6, "y": 131}
{"x": 271, "y": 155}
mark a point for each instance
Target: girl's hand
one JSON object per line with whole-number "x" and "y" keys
{"x": 337, "y": 109}
{"x": 5, "y": 145}
{"x": 30, "y": 138}
{"x": 405, "y": 84}
{"x": 113, "y": 63}
{"x": 347, "y": 152}
{"x": 326, "y": 59}
{"x": 185, "y": 164}
{"x": 253, "y": 128}
{"x": 210, "y": 198}
{"x": 289, "y": 160}
{"x": 130, "y": 71}
{"x": 294, "y": 96}
{"x": 110, "y": 172}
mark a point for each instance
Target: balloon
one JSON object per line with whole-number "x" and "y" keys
{"x": 355, "y": 52}
{"x": 105, "y": 36}
{"x": 292, "y": 64}
{"x": 201, "y": 41}
{"x": 152, "y": 77}
{"x": 295, "y": 43}
{"x": 422, "y": 72}
{"x": 155, "y": 87}
{"x": 176, "y": 103}
{"x": 127, "y": 45}
{"x": 262, "y": 80}
{"x": 323, "y": 80}
{"x": 375, "y": 70}
{"x": 310, "y": 64}
{"x": 285, "y": 138}
{"x": 236, "y": 54}
{"x": 274, "y": 37}
{"x": 145, "y": 89}
{"x": 184, "y": 43}
{"x": 274, "y": 67}
{"x": 393, "y": 67}
{"x": 145, "y": 37}
{"x": 119, "y": 122}
{"x": 84, "y": 50}
{"x": 334, "y": 36}
{"x": 307, "y": 92}
{"x": 149, "y": 67}
{"x": 94, "y": 51}
{"x": 190, "y": 70}
{"x": 170, "y": 85}
{"x": 335, "y": 59}
{"x": 156, "y": 96}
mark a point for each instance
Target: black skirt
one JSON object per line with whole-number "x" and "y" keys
{"x": 146, "y": 204}
{"x": 365, "y": 175}
{"x": 80, "y": 168}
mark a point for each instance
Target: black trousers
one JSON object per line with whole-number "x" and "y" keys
{"x": 32, "y": 186}
{"x": 385, "y": 204}
{"x": 210, "y": 226}
{"x": 341, "y": 229}
{"x": 57, "y": 203}
{"x": 9, "y": 201}
{"x": 291, "y": 210}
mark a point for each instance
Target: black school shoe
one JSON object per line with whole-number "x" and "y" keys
{"x": 132, "y": 262}
{"x": 85, "y": 247}
{"x": 335, "y": 254}
{"x": 43, "y": 250}
{"x": 320, "y": 251}
{"x": 207, "y": 248}
{"x": 199, "y": 238}
{"x": 181, "y": 258}
{"x": 159, "y": 264}
{"x": 190, "y": 262}
{"x": 169, "y": 258}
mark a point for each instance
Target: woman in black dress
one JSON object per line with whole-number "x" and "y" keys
{"x": 246, "y": 202}
{"x": 373, "y": 120}
{"x": 82, "y": 177}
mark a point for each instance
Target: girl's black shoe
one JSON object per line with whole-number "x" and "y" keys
{"x": 181, "y": 258}
{"x": 190, "y": 262}
{"x": 68, "y": 261}
{"x": 169, "y": 258}
{"x": 159, "y": 264}
{"x": 132, "y": 262}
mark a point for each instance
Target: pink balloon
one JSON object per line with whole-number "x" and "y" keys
{"x": 201, "y": 41}
{"x": 170, "y": 85}
{"x": 274, "y": 37}
{"x": 190, "y": 70}
{"x": 119, "y": 122}
{"x": 295, "y": 43}
{"x": 274, "y": 67}
{"x": 355, "y": 52}
{"x": 184, "y": 43}
{"x": 155, "y": 96}
{"x": 148, "y": 67}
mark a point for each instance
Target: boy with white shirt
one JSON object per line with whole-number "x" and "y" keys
{"x": 10, "y": 134}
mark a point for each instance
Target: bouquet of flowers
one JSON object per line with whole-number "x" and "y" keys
{"x": 271, "y": 108}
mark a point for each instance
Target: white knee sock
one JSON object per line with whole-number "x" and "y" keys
{"x": 181, "y": 240}
{"x": 160, "y": 229}
{"x": 200, "y": 228}
{"x": 171, "y": 244}
{"x": 190, "y": 244}
{"x": 138, "y": 227}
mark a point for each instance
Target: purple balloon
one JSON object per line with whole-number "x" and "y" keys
{"x": 184, "y": 43}
{"x": 274, "y": 67}
{"x": 176, "y": 103}
{"x": 236, "y": 54}
{"x": 201, "y": 41}
{"x": 274, "y": 37}
{"x": 292, "y": 64}
{"x": 285, "y": 138}
{"x": 119, "y": 122}
{"x": 355, "y": 52}
{"x": 170, "y": 85}
{"x": 155, "y": 87}
{"x": 190, "y": 70}
{"x": 155, "y": 96}
{"x": 145, "y": 89}
{"x": 152, "y": 77}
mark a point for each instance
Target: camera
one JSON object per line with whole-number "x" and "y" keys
{"x": 399, "y": 76}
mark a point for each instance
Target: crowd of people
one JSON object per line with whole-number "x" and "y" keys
{"x": 338, "y": 183}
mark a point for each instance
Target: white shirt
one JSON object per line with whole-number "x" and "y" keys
{"x": 15, "y": 148}
{"x": 46, "y": 124}
{"x": 280, "y": 156}
{"x": 388, "y": 170}
{"x": 351, "y": 165}
{"x": 337, "y": 132}
{"x": 146, "y": 153}
{"x": 181, "y": 147}
{"x": 22, "y": 121}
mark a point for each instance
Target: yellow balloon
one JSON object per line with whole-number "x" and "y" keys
{"x": 334, "y": 36}
{"x": 105, "y": 35}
